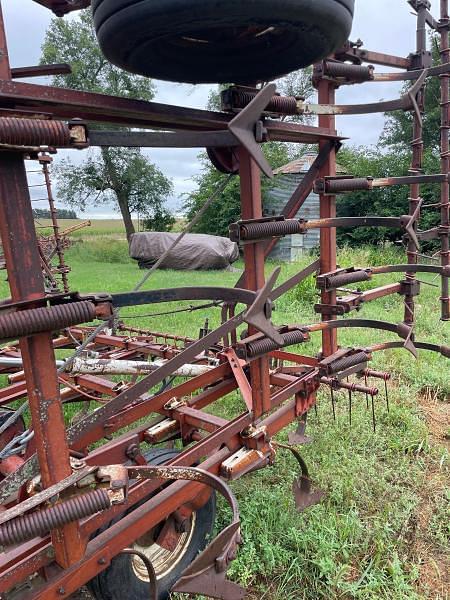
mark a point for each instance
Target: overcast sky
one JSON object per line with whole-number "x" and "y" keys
{"x": 383, "y": 25}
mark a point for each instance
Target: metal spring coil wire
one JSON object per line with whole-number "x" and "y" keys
{"x": 347, "y": 71}
{"x": 377, "y": 374}
{"x": 343, "y": 279}
{"x": 286, "y": 105}
{"x": 33, "y": 132}
{"x": 41, "y": 522}
{"x": 267, "y": 345}
{"x": 347, "y": 362}
{"x": 256, "y": 231}
{"x": 338, "y": 186}
{"x": 38, "y": 320}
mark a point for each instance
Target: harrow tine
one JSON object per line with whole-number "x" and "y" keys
{"x": 298, "y": 437}
{"x": 367, "y": 394}
{"x": 374, "y": 422}
{"x": 350, "y": 403}
{"x": 386, "y": 393}
{"x": 333, "y": 403}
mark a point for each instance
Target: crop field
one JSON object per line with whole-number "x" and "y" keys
{"x": 113, "y": 228}
{"x": 98, "y": 227}
{"x": 383, "y": 528}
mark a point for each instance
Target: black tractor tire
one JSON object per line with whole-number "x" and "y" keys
{"x": 121, "y": 579}
{"x": 220, "y": 41}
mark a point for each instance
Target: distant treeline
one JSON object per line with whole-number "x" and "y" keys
{"x": 44, "y": 213}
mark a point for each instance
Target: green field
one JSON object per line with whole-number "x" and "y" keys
{"x": 382, "y": 531}
{"x": 98, "y": 227}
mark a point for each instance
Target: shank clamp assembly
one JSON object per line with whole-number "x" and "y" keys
{"x": 251, "y": 349}
{"x": 344, "y": 362}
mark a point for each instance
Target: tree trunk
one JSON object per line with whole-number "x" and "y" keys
{"x": 116, "y": 185}
{"x": 126, "y": 216}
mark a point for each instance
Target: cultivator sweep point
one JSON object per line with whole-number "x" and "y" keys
{"x": 79, "y": 503}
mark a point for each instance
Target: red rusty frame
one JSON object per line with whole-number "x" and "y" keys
{"x": 266, "y": 392}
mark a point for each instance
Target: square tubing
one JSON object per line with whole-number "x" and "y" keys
{"x": 251, "y": 208}
{"x": 416, "y": 164}
{"x": 26, "y": 283}
{"x": 445, "y": 160}
{"x": 328, "y": 258}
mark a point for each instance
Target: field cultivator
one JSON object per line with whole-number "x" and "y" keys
{"x": 105, "y": 497}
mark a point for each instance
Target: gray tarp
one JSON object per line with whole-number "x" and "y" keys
{"x": 194, "y": 252}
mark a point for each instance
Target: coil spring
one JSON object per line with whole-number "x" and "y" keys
{"x": 377, "y": 374}
{"x": 286, "y": 105}
{"x": 337, "y": 281}
{"x": 37, "y": 320}
{"x": 362, "y": 389}
{"x": 347, "y": 71}
{"x": 33, "y": 132}
{"x": 347, "y": 362}
{"x": 41, "y": 522}
{"x": 266, "y": 345}
{"x": 338, "y": 186}
{"x": 257, "y": 231}
{"x": 352, "y": 387}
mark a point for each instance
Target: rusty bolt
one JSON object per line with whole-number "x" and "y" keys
{"x": 132, "y": 451}
{"x": 61, "y": 591}
{"x": 102, "y": 561}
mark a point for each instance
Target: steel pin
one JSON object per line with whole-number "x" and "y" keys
{"x": 373, "y": 415}
{"x": 333, "y": 402}
{"x": 350, "y": 406}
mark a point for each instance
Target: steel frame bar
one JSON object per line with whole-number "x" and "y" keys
{"x": 328, "y": 257}
{"x": 64, "y": 103}
{"x": 445, "y": 157}
{"x": 26, "y": 283}
{"x": 254, "y": 257}
{"x": 417, "y": 163}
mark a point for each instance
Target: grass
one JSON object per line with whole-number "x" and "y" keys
{"x": 98, "y": 227}
{"x": 369, "y": 539}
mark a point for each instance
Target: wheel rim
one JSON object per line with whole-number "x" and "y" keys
{"x": 163, "y": 560}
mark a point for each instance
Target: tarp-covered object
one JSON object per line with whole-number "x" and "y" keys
{"x": 193, "y": 252}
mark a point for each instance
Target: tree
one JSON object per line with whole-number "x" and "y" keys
{"x": 123, "y": 177}
{"x": 393, "y": 158}
{"x": 398, "y": 130}
{"x": 388, "y": 201}
{"x": 227, "y": 208}
{"x": 127, "y": 178}
{"x": 44, "y": 213}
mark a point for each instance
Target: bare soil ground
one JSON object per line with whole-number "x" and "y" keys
{"x": 434, "y": 579}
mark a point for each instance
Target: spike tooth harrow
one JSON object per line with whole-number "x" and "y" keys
{"x": 277, "y": 386}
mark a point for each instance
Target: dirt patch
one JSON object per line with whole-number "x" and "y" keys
{"x": 437, "y": 415}
{"x": 434, "y": 563}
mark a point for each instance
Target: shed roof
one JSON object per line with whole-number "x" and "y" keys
{"x": 302, "y": 165}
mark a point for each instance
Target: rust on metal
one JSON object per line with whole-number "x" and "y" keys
{"x": 90, "y": 491}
